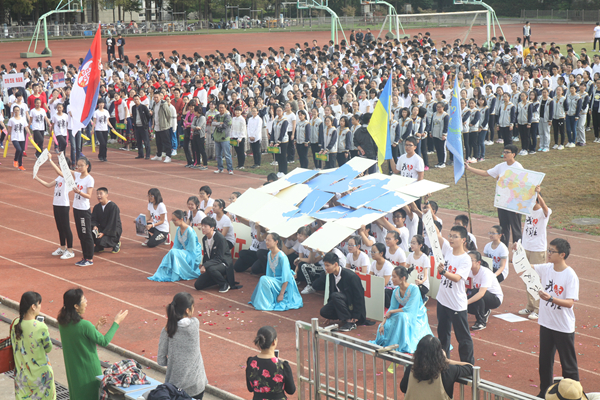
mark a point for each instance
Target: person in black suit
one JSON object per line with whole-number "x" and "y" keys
{"x": 140, "y": 118}
{"x": 217, "y": 264}
{"x": 346, "y": 295}
{"x": 106, "y": 222}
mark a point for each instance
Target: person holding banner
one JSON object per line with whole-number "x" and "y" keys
{"x": 17, "y": 127}
{"x": 405, "y": 323}
{"x": 100, "y": 125}
{"x": 84, "y": 185}
{"x": 38, "y": 125}
{"x": 509, "y": 221}
{"x": 59, "y": 127}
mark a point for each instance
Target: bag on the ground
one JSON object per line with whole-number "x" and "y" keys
{"x": 168, "y": 391}
{"x": 7, "y": 358}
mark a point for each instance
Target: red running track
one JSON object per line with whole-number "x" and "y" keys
{"x": 506, "y": 352}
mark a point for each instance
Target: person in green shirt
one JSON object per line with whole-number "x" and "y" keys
{"x": 79, "y": 339}
{"x": 34, "y": 378}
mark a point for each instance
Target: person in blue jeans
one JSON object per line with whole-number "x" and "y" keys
{"x": 222, "y": 123}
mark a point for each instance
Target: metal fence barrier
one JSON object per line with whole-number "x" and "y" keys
{"x": 332, "y": 365}
{"x": 561, "y": 16}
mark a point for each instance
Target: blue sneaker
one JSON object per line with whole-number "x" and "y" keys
{"x": 84, "y": 263}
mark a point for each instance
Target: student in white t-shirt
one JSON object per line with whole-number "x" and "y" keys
{"x": 84, "y": 185}
{"x": 463, "y": 220}
{"x": 38, "y": 124}
{"x": 412, "y": 220}
{"x": 206, "y": 202}
{"x": 420, "y": 261}
{"x": 509, "y": 221}
{"x": 60, "y": 121}
{"x": 224, "y": 224}
{"x": 452, "y": 296}
{"x": 498, "y": 252}
{"x": 61, "y": 205}
{"x": 382, "y": 268}
{"x": 597, "y": 35}
{"x": 393, "y": 252}
{"x": 100, "y": 126}
{"x": 357, "y": 260}
{"x": 156, "y": 219}
{"x": 399, "y": 218}
{"x": 560, "y": 291}
{"x": 367, "y": 240}
{"x": 194, "y": 215}
{"x": 534, "y": 243}
{"x": 483, "y": 291}
{"x": 410, "y": 164}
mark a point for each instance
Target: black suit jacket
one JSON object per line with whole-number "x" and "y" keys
{"x": 144, "y": 114}
{"x": 219, "y": 254}
{"x": 351, "y": 286}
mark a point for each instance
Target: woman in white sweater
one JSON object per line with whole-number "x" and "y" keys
{"x": 179, "y": 347}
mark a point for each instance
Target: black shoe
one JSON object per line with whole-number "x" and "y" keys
{"x": 98, "y": 249}
{"x": 255, "y": 166}
{"x": 147, "y": 158}
{"x": 138, "y": 157}
{"x": 347, "y": 327}
{"x": 117, "y": 248}
{"x": 478, "y": 326}
{"x": 224, "y": 288}
{"x": 487, "y": 315}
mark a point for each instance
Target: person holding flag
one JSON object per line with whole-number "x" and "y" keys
{"x": 379, "y": 125}
{"x": 454, "y": 135}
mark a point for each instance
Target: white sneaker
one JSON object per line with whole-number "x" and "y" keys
{"x": 473, "y": 160}
{"x": 68, "y": 254}
{"x": 173, "y": 153}
{"x": 524, "y": 312}
{"x": 523, "y": 153}
{"x": 555, "y": 147}
{"x": 571, "y": 145}
{"x": 58, "y": 252}
{"x": 561, "y": 147}
{"x": 308, "y": 290}
{"x": 280, "y": 174}
{"x": 545, "y": 150}
{"x": 274, "y": 163}
{"x": 442, "y": 166}
{"x": 167, "y": 159}
{"x": 218, "y": 171}
{"x": 533, "y": 316}
{"x": 515, "y": 139}
{"x": 156, "y": 158}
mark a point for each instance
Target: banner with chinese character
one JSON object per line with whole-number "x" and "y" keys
{"x": 13, "y": 80}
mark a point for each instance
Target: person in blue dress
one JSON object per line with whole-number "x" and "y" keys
{"x": 407, "y": 325}
{"x": 276, "y": 291}
{"x": 183, "y": 260}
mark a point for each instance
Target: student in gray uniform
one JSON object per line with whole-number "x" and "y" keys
{"x": 585, "y": 102}
{"x": 506, "y": 119}
{"x": 303, "y": 131}
{"x": 558, "y": 121}
{"x": 439, "y": 132}
{"x": 524, "y": 115}
{"x": 573, "y": 108}
{"x": 546, "y": 118}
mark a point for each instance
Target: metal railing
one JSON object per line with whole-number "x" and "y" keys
{"x": 561, "y": 16}
{"x": 337, "y": 366}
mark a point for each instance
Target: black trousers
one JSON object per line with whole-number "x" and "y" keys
{"x": 440, "y": 149}
{"x": 596, "y": 122}
{"x": 336, "y": 307}
{"x": 492, "y": 126}
{"x": 186, "y": 146}
{"x": 102, "y": 137}
{"x": 342, "y": 158}
{"x": 106, "y": 241}
{"x": 505, "y": 134}
{"x": 388, "y": 292}
{"x": 157, "y": 237}
{"x": 83, "y": 222}
{"x": 215, "y": 274}
{"x": 75, "y": 146}
{"x": 446, "y": 318}
{"x": 240, "y": 151}
{"x": 256, "y": 152}
{"x": 596, "y": 40}
{"x": 524, "y": 133}
{"x": 38, "y": 138}
{"x": 550, "y": 342}
{"x": 163, "y": 143}
{"x": 558, "y": 127}
{"x": 315, "y": 147}
{"x": 291, "y": 150}
{"x": 510, "y": 222}
{"x": 61, "y": 217}
{"x": 255, "y": 260}
{"x": 478, "y": 308}
{"x": 62, "y": 143}
{"x": 423, "y": 154}
{"x": 282, "y": 158}
{"x": 143, "y": 140}
{"x": 330, "y": 163}
{"x": 302, "y": 154}
{"x": 19, "y": 149}
{"x": 424, "y": 290}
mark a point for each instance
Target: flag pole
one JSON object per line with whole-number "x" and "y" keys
{"x": 468, "y": 204}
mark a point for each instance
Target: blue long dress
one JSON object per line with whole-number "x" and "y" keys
{"x": 182, "y": 261}
{"x": 265, "y": 294}
{"x": 405, "y": 328}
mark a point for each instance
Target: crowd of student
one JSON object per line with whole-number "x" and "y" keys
{"x": 321, "y": 99}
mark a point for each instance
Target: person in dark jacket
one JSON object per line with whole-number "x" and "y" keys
{"x": 217, "y": 264}
{"x": 140, "y": 117}
{"x": 346, "y": 295}
{"x": 106, "y": 222}
{"x": 364, "y": 141}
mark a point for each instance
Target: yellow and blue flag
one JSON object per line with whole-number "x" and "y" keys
{"x": 454, "y": 138}
{"x": 379, "y": 126}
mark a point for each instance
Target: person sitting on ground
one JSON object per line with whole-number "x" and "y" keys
{"x": 217, "y": 265}
{"x": 432, "y": 376}
{"x": 156, "y": 220}
{"x": 106, "y": 222}
{"x": 266, "y": 373}
{"x": 346, "y": 300}
{"x": 483, "y": 291}
{"x": 182, "y": 261}
{"x": 405, "y": 323}
{"x": 498, "y": 252}
{"x": 276, "y": 291}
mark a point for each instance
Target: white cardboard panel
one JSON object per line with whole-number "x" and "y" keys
{"x": 275, "y": 187}
{"x": 294, "y": 194}
{"x": 329, "y": 236}
{"x": 422, "y": 188}
{"x": 249, "y": 203}
{"x": 290, "y": 226}
{"x": 396, "y": 182}
{"x": 360, "y": 217}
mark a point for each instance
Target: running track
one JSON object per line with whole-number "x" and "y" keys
{"x": 228, "y": 323}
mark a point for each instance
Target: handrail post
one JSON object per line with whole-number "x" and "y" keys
{"x": 476, "y": 379}
{"x": 314, "y": 329}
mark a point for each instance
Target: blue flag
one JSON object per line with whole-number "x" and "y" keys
{"x": 454, "y": 138}
{"x": 379, "y": 126}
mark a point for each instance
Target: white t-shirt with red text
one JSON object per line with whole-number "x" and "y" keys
{"x": 560, "y": 285}
{"x": 485, "y": 278}
{"x": 451, "y": 294}
{"x": 534, "y": 231}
